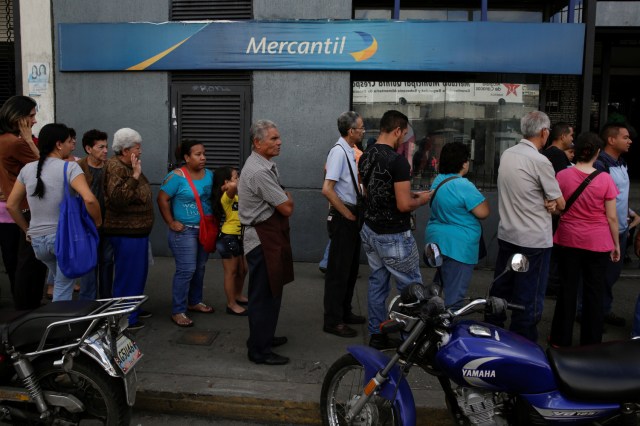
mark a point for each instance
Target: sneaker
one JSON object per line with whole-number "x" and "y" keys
{"x": 137, "y": 326}
{"x": 614, "y": 320}
{"x": 144, "y": 314}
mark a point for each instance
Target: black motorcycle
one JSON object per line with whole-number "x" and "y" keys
{"x": 69, "y": 363}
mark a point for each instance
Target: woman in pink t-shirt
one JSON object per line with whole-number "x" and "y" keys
{"x": 586, "y": 238}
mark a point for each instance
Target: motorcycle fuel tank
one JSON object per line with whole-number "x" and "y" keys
{"x": 484, "y": 356}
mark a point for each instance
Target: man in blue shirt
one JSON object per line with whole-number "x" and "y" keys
{"x": 342, "y": 189}
{"x": 617, "y": 142}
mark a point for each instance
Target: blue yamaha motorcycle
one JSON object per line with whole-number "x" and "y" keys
{"x": 490, "y": 376}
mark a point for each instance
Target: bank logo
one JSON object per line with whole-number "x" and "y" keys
{"x": 329, "y": 46}
{"x": 365, "y": 54}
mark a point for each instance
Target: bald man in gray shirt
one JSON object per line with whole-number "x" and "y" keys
{"x": 528, "y": 194}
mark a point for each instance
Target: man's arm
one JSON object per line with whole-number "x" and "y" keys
{"x": 407, "y": 201}
{"x": 286, "y": 208}
{"x": 328, "y": 190}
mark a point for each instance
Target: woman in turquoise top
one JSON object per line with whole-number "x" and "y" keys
{"x": 454, "y": 226}
{"x": 179, "y": 210}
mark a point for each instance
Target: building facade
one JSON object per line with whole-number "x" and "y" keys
{"x": 465, "y": 74}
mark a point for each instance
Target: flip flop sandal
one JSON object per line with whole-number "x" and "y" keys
{"x": 181, "y": 320}
{"x": 201, "y": 308}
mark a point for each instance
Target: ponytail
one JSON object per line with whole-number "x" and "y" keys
{"x": 49, "y": 136}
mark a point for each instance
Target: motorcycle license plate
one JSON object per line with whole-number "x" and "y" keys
{"x": 127, "y": 354}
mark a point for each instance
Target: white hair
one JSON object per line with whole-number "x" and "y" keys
{"x": 125, "y": 138}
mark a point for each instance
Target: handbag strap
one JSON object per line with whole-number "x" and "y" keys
{"x": 353, "y": 177}
{"x": 438, "y": 187}
{"x": 581, "y": 188}
{"x": 195, "y": 191}
{"x": 66, "y": 182}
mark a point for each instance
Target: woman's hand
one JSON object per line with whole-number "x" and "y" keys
{"x": 176, "y": 226}
{"x": 615, "y": 254}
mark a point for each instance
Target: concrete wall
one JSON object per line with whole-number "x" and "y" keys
{"x": 305, "y": 106}
{"x": 618, "y": 14}
{"x": 109, "y": 101}
{"x": 36, "y": 50}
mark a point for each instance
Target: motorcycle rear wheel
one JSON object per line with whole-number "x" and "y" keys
{"x": 102, "y": 395}
{"x": 341, "y": 388}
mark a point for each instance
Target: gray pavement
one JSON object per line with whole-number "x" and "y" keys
{"x": 204, "y": 370}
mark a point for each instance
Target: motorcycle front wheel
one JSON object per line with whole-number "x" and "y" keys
{"x": 342, "y": 387}
{"x": 103, "y": 396}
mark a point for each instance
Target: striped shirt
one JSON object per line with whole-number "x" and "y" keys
{"x": 259, "y": 192}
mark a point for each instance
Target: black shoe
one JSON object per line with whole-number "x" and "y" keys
{"x": 144, "y": 314}
{"x": 271, "y": 359}
{"x": 242, "y": 302}
{"x": 341, "y": 330}
{"x": 382, "y": 342}
{"x": 137, "y": 326}
{"x": 322, "y": 269}
{"x": 278, "y": 341}
{"x": 238, "y": 314}
{"x": 354, "y": 319}
{"x": 615, "y": 320}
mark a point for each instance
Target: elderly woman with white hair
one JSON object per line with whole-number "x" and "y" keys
{"x": 128, "y": 216}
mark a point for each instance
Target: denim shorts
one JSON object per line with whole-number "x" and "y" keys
{"x": 229, "y": 246}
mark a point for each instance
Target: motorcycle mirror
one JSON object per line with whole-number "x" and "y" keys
{"x": 519, "y": 263}
{"x": 432, "y": 256}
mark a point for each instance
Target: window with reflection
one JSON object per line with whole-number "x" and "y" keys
{"x": 484, "y": 116}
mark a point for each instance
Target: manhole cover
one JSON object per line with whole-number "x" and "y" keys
{"x": 197, "y": 337}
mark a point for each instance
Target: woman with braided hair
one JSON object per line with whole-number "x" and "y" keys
{"x": 42, "y": 184}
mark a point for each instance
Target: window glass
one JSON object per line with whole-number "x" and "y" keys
{"x": 381, "y": 13}
{"x": 484, "y": 116}
{"x": 510, "y": 16}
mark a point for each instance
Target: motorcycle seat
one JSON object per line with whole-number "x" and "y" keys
{"x": 608, "y": 372}
{"x": 26, "y": 329}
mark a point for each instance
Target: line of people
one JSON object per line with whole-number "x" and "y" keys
{"x": 371, "y": 204}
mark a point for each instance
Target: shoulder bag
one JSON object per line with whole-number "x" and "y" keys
{"x": 577, "y": 193}
{"x": 209, "y": 224}
{"x": 359, "y": 200}
{"x": 77, "y": 238}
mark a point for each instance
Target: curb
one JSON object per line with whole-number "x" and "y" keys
{"x": 256, "y": 409}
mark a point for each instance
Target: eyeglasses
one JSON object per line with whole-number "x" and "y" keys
{"x": 359, "y": 128}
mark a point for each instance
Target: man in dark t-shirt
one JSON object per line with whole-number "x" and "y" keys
{"x": 561, "y": 137}
{"x": 386, "y": 234}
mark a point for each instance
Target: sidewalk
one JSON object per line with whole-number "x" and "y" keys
{"x": 204, "y": 369}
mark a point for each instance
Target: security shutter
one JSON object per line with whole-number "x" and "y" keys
{"x": 215, "y": 110}
{"x": 7, "y": 52}
{"x": 186, "y": 10}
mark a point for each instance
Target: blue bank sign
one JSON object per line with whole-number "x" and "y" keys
{"x": 323, "y": 45}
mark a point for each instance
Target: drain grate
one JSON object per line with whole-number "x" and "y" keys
{"x": 197, "y": 337}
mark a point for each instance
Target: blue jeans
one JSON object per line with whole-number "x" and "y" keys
{"x": 190, "y": 260}
{"x": 98, "y": 282}
{"x": 325, "y": 257}
{"x": 522, "y": 288}
{"x": 131, "y": 266}
{"x": 388, "y": 254}
{"x": 454, "y": 277}
{"x": 45, "y": 250}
